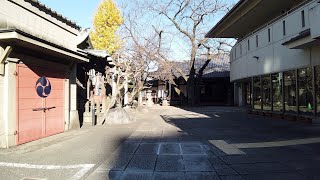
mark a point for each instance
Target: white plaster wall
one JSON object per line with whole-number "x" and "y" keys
{"x": 9, "y": 105}
{"x": 37, "y": 23}
{"x": 2, "y": 124}
{"x": 273, "y": 56}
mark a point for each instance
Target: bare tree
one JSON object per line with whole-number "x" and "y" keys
{"x": 189, "y": 18}
{"x": 146, "y": 52}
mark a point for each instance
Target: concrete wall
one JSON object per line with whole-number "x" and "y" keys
{"x": 314, "y": 19}
{"x": 315, "y": 56}
{"x": 273, "y": 56}
{"x": 23, "y": 16}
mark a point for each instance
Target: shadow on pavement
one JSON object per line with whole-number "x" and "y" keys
{"x": 181, "y": 149}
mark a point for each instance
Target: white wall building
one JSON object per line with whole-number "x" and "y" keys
{"x": 275, "y": 62}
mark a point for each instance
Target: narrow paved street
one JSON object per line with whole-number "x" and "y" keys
{"x": 173, "y": 143}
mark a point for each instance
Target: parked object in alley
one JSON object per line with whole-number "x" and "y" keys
{"x": 118, "y": 116}
{"x": 142, "y": 109}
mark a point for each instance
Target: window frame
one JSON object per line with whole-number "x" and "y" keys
{"x": 284, "y": 30}
{"x": 303, "y": 19}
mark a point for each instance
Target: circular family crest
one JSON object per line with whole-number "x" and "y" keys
{"x": 43, "y": 87}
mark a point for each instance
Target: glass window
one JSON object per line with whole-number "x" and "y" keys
{"x": 305, "y": 91}
{"x": 256, "y": 93}
{"x": 290, "y": 91}
{"x": 248, "y": 93}
{"x": 284, "y": 27}
{"x": 303, "y": 19}
{"x": 277, "y": 92}
{"x": 269, "y": 35}
{"x": 248, "y": 44}
{"x": 257, "y": 40}
{"x": 266, "y": 93}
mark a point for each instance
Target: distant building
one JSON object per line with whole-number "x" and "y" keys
{"x": 214, "y": 87}
{"x": 275, "y": 64}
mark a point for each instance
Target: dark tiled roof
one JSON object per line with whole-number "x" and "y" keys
{"x": 216, "y": 74}
{"x": 218, "y": 66}
{"x": 53, "y": 13}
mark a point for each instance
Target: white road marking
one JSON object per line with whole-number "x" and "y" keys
{"x": 158, "y": 152}
{"x": 84, "y": 168}
{"x": 278, "y": 143}
{"x": 180, "y": 148}
{"x": 226, "y": 148}
{"x": 83, "y": 171}
{"x": 216, "y": 115}
{"x": 232, "y": 149}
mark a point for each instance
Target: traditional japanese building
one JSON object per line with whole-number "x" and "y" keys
{"x": 39, "y": 52}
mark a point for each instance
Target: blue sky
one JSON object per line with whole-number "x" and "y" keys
{"x": 80, "y": 11}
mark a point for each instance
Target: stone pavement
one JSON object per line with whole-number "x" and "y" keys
{"x": 175, "y": 143}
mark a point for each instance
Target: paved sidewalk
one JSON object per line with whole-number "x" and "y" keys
{"x": 175, "y": 143}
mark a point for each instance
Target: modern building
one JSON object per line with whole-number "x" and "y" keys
{"x": 275, "y": 64}
{"x": 39, "y": 52}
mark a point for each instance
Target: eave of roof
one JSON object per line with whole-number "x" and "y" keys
{"x": 248, "y": 16}
{"x": 23, "y": 37}
{"x": 226, "y": 16}
{"x": 53, "y": 13}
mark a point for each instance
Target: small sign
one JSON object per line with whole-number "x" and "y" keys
{"x": 43, "y": 87}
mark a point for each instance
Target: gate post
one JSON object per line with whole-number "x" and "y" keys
{"x": 9, "y": 102}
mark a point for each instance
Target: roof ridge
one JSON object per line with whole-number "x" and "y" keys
{"x": 53, "y": 13}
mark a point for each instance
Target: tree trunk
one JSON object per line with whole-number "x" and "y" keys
{"x": 140, "y": 102}
{"x": 197, "y": 91}
{"x": 191, "y": 87}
